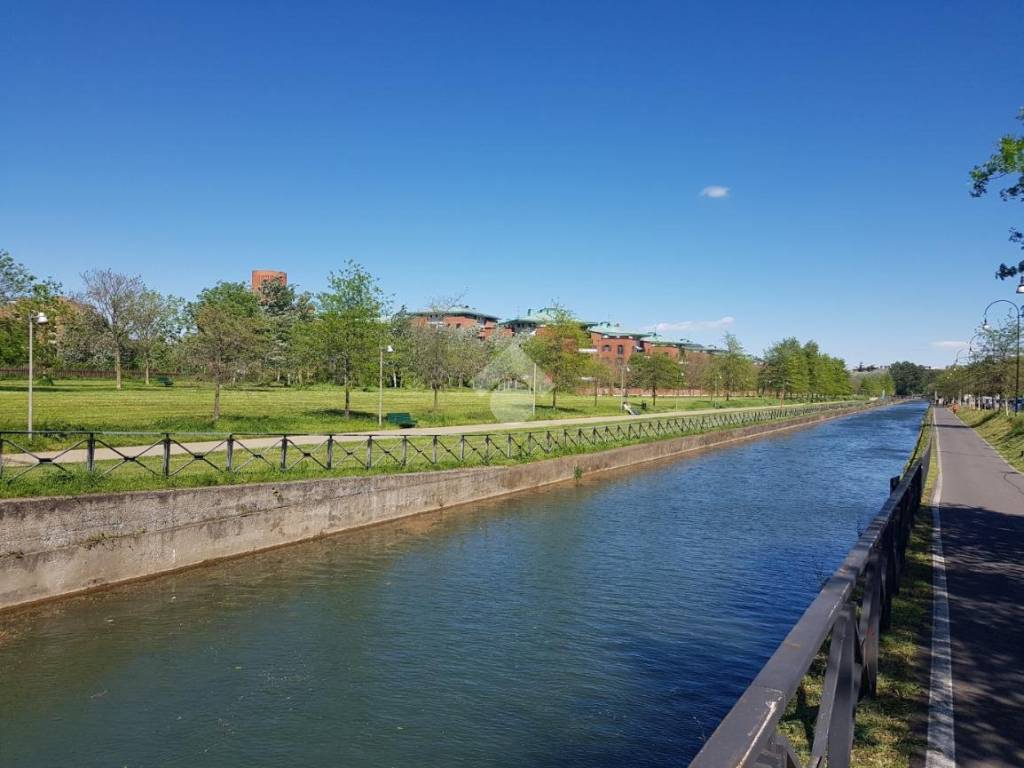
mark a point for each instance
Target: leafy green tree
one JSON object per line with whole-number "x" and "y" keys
{"x": 654, "y": 372}
{"x": 159, "y": 323}
{"x": 785, "y": 369}
{"x": 876, "y": 384}
{"x": 732, "y": 370}
{"x": 285, "y": 309}
{"x": 555, "y": 348}
{"x": 350, "y": 331}
{"x": 1006, "y": 161}
{"x": 909, "y": 378}
{"x": 227, "y": 330}
{"x": 22, "y": 295}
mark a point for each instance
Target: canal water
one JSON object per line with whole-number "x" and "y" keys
{"x": 612, "y": 622}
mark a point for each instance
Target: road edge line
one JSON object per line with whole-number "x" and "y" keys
{"x": 941, "y": 735}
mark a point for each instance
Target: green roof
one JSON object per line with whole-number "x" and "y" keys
{"x": 456, "y": 309}
{"x": 608, "y": 329}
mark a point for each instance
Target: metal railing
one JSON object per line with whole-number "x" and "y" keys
{"x": 850, "y": 612}
{"x": 169, "y": 454}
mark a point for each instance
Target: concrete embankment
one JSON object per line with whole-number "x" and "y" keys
{"x": 55, "y": 546}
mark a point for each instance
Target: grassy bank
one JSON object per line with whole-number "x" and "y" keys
{"x": 476, "y": 450}
{"x": 187, "y": 407}
{"x": 1004, "y": 433}
{"x": 891, "y": 727}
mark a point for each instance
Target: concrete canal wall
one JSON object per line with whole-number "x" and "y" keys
{"x": 57, "y": 546}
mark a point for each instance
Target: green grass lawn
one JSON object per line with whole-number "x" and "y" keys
{"x": 1005, "y": 433}
{"x": 187, "y": 407}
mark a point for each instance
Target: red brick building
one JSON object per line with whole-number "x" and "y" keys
{"x": 459, "y": 317}
{"x": 261, "y": 276}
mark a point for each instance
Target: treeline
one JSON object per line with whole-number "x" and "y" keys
{"x": 349, "y": 334}
{"x": 988, "y": 367}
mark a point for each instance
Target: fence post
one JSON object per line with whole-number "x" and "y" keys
{"x": 90, "y": 452}
{"x": 229, "y": 463}
{"x": 433, "y": 450}
{"x": 284, "y": 452}
{"x": 1, "y": 454}
{"x": 548, "y": 432}
{"x": 369, "y": 452}
{"x": 167, "y": 454}
{"x": 330, "y": 451}
{"x": 462, "y": 448}
{"x": 509, "y": 452}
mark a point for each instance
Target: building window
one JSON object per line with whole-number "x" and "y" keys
{"x": 622, "y": 350}
{"x": 606, "y": 348}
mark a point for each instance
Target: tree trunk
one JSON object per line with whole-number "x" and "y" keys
{"x": 117, "y": 367}
{"x": 435, "y": 398}
{"x": 347, "y": 399}
{"x": 216, "y": 400}
{"x": 554, "y": 396}
{"x": 147, "y": 372}
{"x": 654, "y": 397}
{"x": 595, "y": 391}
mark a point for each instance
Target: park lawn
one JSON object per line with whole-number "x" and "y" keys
{"x": 187, "y": 407}
{"x": 1005, "y": 433}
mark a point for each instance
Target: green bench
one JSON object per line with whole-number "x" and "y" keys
{"x": 402, "y": 420}
{"x": 167, "y": 381}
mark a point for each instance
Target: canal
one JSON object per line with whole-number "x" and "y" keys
{"x": 611, "y": 622}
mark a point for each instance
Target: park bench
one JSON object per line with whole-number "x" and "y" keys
{"x": 167, "y": 381}
{"x": 402, "y": 420}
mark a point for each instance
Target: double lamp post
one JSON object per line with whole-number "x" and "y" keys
{"x": 1018, "y": 312}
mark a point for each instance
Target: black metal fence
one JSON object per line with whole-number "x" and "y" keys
{"x": 850, "y": 612}
{"x": 172, "y": 454}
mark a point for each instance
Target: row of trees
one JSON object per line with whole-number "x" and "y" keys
{"x": 990, "y": 368}
{"x": 349, "y": 335}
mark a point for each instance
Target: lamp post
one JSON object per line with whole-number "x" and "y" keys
{"x": 380, "y": 385}
{"x": 38, "y": 318}
{"x": 1018, "y": 311}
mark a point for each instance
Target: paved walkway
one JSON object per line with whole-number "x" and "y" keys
{"x": 204, "y": 446}
{"x": 982, "y": 521}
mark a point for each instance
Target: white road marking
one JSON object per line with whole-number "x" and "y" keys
{"x": 941, "y": 740}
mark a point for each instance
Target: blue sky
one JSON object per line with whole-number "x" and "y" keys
{"x": 518, "y": 153}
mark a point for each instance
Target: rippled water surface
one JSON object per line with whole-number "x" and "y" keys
{"x": 608, "y": 623}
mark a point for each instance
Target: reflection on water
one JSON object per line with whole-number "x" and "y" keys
{"x": 607, "y": 623}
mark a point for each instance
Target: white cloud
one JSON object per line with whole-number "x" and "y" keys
{"x": 949, "y": 344}
{"x": 715, "y": 192}
{"x": 692, "y": 325}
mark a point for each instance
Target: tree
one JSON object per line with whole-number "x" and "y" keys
{"x": 227, "y": 330}
{"x": 555, "y": 348}
{"x": 876, "y": 384}
{"x": 1007, "y": 160}
{"x": 114, "y": 298}
{"x": 22, "y": 295}
{"x": 733, "y": 369}
{"x": 158, "y": 323}
{"x": 350, "y": 332}
{"x": 440, "y": 356}
{"x": 654, "y": 371}
{"x": 284, "y": 309}
{"x": 785, "y": 369}
{"x": 603, "y": 373}
{"x": 16, "y": 282}
{"x": 908, "y": 378}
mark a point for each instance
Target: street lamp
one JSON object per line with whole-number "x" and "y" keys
{"x": 1018, "y": 311}
{"x": 380, "y": 385}
{"x": 38, "y": 318}
{"x": 1020, "y": 288}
